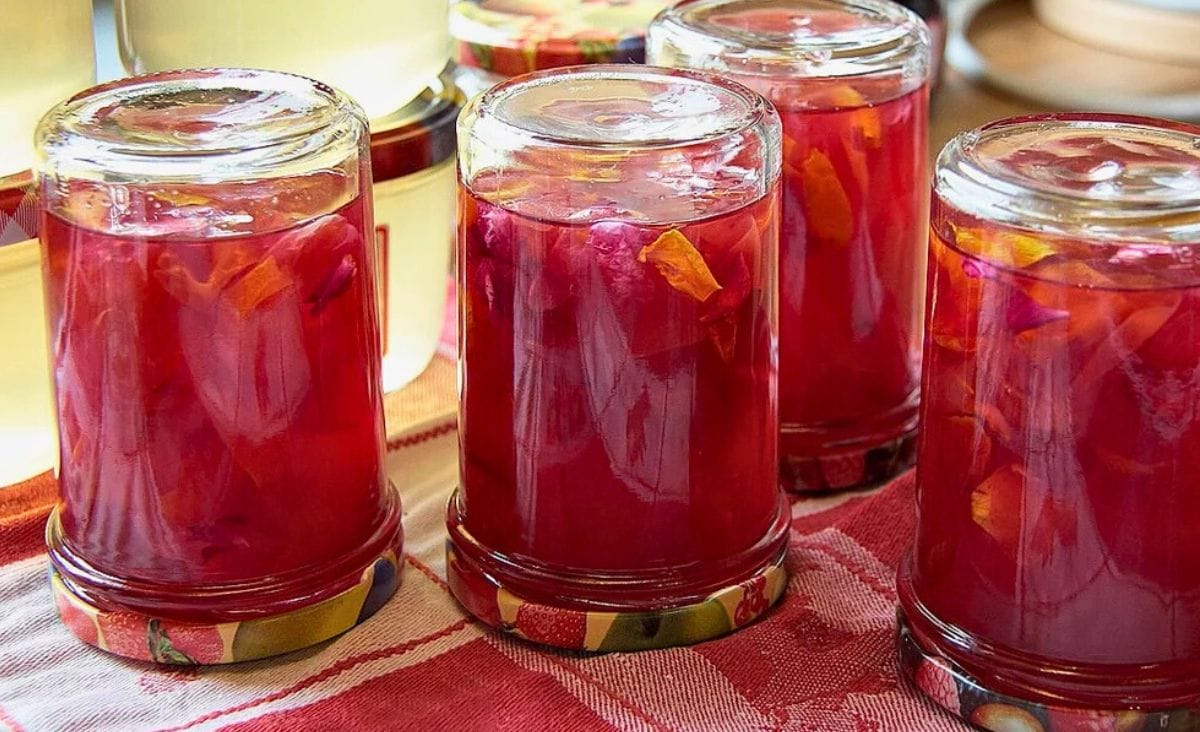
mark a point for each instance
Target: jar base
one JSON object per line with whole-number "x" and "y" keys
{"x": 294, "y": 617}
{"x": 952, "y": 688}
{"x": 581, "y": 623}
{"x": 812, "y": 461}
{"x": 722, "y": 612}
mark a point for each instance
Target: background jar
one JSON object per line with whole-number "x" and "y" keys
{"x": 1056, "y": 561}
{"x": 849, "y": 78}
{"x": 498, "y": 39}
{"x": 27, "y": 438}
{"x": 617, "y": 229}
{"x": 46, "y": 54}
{"x": 209, "y": 282}
{"x": 412, "y": 160}
{"x": 380, "y": 52}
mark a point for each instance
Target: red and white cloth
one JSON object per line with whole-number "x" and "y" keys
{"x": 823, "y": 660}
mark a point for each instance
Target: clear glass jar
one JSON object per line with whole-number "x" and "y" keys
{"x": 849, "y": 78}
{"x": 1056, "y": 572}
{"x": 46, "y": 54}
{"x": 412, "y": 159}
{"x": 498, "y": 39}
{"x": 27, "y": 439}
{"x": 617, "y": 230}
{"x": 380, "y": 52}
{"x": 210, "y": 295}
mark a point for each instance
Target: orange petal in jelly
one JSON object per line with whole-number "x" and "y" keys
{"x": 182, "y": 198}
{"x": 866, "y": 118}
{"x": 826, "y": 205}
{"x": 677, "y": 260}
{"x": 1004, "y": 248}
{"x": 260, "y": 284}
{"x": 997, "y": 504}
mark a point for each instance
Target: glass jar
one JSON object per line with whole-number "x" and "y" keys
{"x": 215, "y": 351}
{"x": 498, "y": 39}
{"x": 27, "y": 440}
{"x": 934, "y": 15}
{"x": 380, "y": 52}
{"x": 849, "y": 78}
{"x": 1056, "y": 572}
{"x": 46, "y": 54}
{"x": 412, "y": 159}
{"x": 617, "y": 230}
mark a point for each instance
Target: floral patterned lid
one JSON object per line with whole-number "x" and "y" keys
{"x": 512, "y": 37}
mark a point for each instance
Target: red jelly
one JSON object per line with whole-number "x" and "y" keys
{"x": 1056, "y": 562}
{"x": 849, "y": 81}
{"x": 215, "y": 352}
{"x": 617, "y": 337}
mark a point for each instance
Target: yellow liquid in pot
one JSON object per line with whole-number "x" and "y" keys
{"x": 46, "y": 55}
{"x": 381, "y": 52}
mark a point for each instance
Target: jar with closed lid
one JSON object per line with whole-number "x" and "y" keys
{"x": 209, "y": 281}
{"x": 412, "y": 159}
{"x": 850, "y": 81}
{"x": 498, "y": 39}
{"x": 616, "y": 244}
{"x": 57, "y": 43}
{"x": 1056, "y": 563}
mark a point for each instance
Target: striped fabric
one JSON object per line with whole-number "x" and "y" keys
{"x": 823, "y": 660}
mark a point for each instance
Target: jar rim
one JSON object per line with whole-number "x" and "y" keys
{"x": 208, "y": 124}
{"x": 891, "y": 39}
{"x": 492, "y": 108}
{"x": 1062, "y": 174}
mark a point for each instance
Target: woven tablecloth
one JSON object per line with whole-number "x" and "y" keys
{"x": 822, "y": 660}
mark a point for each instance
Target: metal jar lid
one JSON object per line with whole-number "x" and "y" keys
{"x": 419, "y": 135}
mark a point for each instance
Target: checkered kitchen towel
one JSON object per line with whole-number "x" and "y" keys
{"x": 822, "y": 660}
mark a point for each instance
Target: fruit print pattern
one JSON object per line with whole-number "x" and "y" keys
{"x": 722, "y": 612}
{"x": 544, "y": 35}
{"x": 157, "y": 640}
{"x": 954, "y": 690}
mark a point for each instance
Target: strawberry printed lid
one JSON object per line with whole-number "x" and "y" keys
{"x": 512, "y": 37}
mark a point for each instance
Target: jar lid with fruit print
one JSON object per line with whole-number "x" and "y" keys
{"x": 511, "y": 37}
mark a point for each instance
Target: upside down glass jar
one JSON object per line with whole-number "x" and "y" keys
{"x": 1055, "y": 580}
{"x": 849, "y": 78}
{"x": 380, "y": 52}
{"x": 209, "y": 283}
{"x": 412, "y": 161}
{"x": 497, "y": 39}
{"x": 617, "y": 230}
